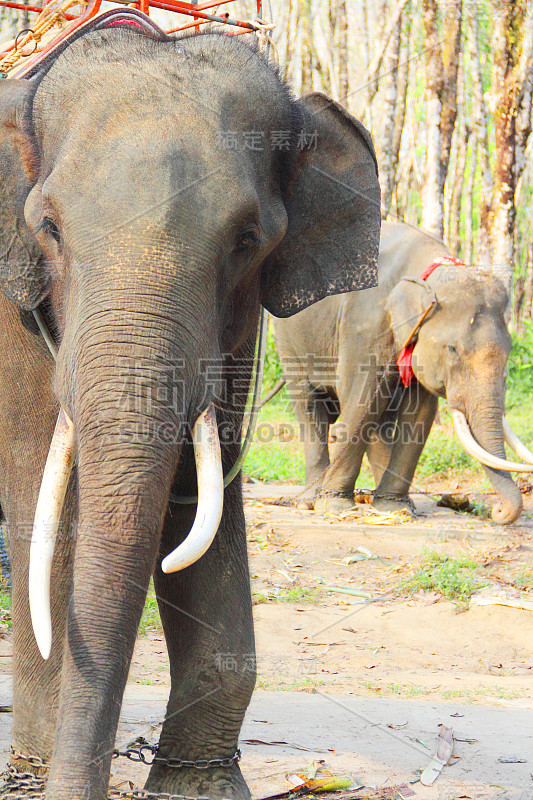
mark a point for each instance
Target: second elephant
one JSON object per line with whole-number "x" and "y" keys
{"x": 339, "y": 359}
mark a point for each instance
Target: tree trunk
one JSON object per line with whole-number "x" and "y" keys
{"x": 306, "y": 78}
{"x": 341, "y": 46}
{"x": 503, "y": 91}
{"x": 403, "y": 85}
{"x": 441, "y": 88}
{"x": 511, "y": 94}
{"x": 387, "y": 161}
{"x": 481, "y": 126}
{"x": 456, "y": 191}
{"x": 469, "y": 198}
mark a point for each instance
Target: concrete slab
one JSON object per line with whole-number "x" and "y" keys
{"x": 382, "y": 742}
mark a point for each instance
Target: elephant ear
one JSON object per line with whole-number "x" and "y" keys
{"x": 22, "y": 274}
{"x": 406, "y": 304}
{"x": 334, "y": 213}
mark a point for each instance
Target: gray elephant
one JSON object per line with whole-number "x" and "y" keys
{"x": 339, "y": 359}
{"x": 154, "y": 193}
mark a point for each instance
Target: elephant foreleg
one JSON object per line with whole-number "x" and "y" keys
{"x": 206, "y": 614}
{"x": 36, "y": 682}
{"x": 379, "y": 447}
{"x": 28, "y": 412}
{"x": 378, "y": 452}
{"x": 314, "y": 419}
{"x": 417, "y": 412}
{"x": 349, "y": 439}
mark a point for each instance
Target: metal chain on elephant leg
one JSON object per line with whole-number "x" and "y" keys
{"x": 294, "y": 501}
{"x": 143, "y": 747}
{"x": 141, "y": 794}
{"x": 397, "y": 499}
{"x": 147, "y": 754}
{"x": 21, "y": 783}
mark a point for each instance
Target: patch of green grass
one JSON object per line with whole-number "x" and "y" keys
{"x": 258, "y": 598}
{"x": 279, "y": 408}
{"x": 402, "y": 689}
{"x": 275, "y": 461}
{"x": 5, "y": 605}
{"x": 492, "y": 691}
{"x": 520, "y": 418}
{"x": 520, "y": 366}
{"x": 273, "y": 372}
{"x": 412, "y": 690}
{"x": 442, "y": 455}
{"x": 298, "y": 594}
{"x": 454, "y": 578}
{"x": 481, "y": 509}
{"x": 524, "y": 578}
{"x": 150, "y": 620}
{"x": 279, "y": 684}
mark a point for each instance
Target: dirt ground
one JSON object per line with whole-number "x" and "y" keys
{"x": 398, "y": 645}
{"x": 362, "y": 680}
{"x": 384, "y": 643}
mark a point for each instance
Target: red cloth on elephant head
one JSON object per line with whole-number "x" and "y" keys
{"x": 404, "y": 360}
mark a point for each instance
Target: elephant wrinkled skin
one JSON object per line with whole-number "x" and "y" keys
{"x": 150, "y": 244}
{"x": 334, "y": 354}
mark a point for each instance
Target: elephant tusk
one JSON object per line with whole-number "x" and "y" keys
{"x": 515, "y": 444}
{"x": 45, "y": 525}
{"x": 210, "y": 494}
{"x": 472, "y": 447}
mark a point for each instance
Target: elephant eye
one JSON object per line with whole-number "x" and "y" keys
{"x": 246, "y": 239}
{"x": 452, "y": 352}
{"x": 49, "y": 227}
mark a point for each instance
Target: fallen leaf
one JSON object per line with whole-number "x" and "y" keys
{"x": 352, "y": 592}
{"x": 324, "y": 644}
{"x": 321, "y": 780}
{"x": 440, "y": 759}
{"x": 354, "y": 559}
{"x": 512, "y": 760}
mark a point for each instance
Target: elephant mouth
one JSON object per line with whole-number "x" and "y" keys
{"x": 473, "y": 448}
{"x": 52, "y": 493}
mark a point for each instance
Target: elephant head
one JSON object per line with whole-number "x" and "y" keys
{"x": 156, "y": 192}
{"x": 460, "y": 353}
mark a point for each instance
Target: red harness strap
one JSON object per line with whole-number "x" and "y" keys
{"x": 404, "y": 361}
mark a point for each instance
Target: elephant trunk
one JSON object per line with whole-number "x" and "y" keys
{"x": 129, "y": 439}
{"x": 485, "y": 421}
